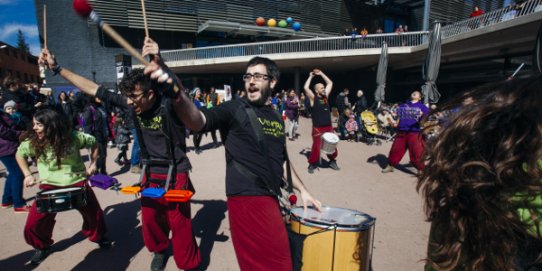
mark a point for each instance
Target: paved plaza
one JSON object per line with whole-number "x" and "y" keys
{"x": 400, "y": 230}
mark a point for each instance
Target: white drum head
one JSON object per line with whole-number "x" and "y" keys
{"x": 61, "y": 190}
{"x": 330, "y": 137}
{"x": 343, "y": 218}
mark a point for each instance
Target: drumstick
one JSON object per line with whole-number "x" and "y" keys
{"x": 144, "y": 18}
{"x": 83, "y": 8}
{"x": 44, "y": 25}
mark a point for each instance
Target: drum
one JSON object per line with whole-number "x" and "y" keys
{"x": 329, "y": 143}
{"x": 63, "y": 199}
{"x": 336, "y": 238}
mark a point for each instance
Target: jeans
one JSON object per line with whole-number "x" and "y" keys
{"x": 292, "y": 128}
{"x": 13, "y": 190}
{"x": 134, "y": 161}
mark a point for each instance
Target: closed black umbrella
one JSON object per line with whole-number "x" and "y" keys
{"x": 381, "y": 74}
{"x": 537, "y": 54}
{"x": 431, "y": 66}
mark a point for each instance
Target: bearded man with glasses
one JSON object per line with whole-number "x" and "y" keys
{"x": 258, "y": 231}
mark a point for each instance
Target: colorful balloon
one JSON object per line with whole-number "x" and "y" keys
{"x": 289, "y": 20}
{"x": 260, "y": 21}
{"x": 296, "y": 26}
{"x": 271, "y": 22}
{"x": 283, "y": 23}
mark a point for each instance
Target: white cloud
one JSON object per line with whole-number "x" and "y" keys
{"x": 7, "y": 2}
{"x": 8, "y": 30}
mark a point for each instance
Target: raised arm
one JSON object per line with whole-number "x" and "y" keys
{"x": 307, "y": 88}
{"x": 85, "y": 85}
{"x": 185, "y": 109}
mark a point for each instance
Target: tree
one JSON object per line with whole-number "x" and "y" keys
{"x": 21, "y": 42}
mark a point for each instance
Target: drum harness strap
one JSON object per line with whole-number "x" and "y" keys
{"x": 272, "y": 186}
{"x": 147, "y": 161}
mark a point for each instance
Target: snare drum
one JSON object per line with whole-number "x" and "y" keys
{"x": 336, "y": 238}
{"x": 329, "y": 143}
{"x": 59, "y": 200}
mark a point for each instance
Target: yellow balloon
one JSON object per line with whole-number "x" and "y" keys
{"x": 271, "y": 23}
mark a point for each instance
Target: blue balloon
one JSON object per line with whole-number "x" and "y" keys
{"x": 296, "y": 26}
{"x": 289, "y": 20}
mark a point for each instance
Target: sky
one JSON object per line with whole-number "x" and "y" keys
{"x": 15, "y": 15}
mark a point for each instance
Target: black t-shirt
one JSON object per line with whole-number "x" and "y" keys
{"x": 154, "y": 135}
{"x": 242, "y": 145}
{"x": 320, "y": 112}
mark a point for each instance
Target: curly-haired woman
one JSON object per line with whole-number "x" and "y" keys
{"x": 483, "y": 181}
{"x": 57, "y": 150}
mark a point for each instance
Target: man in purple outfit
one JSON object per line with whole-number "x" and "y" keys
{"x": 408, "y": 133}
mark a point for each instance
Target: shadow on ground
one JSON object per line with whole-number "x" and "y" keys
{"x": 205, "y": 225}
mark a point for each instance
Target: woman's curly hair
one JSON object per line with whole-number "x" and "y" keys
{"x": 481, "y": 169}
{"x": 57, "y": 135}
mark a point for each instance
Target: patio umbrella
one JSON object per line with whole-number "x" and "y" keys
{"x": 537, "y": 54}
{"x": 431, "y": 67}
{"x": 381, "y": 74}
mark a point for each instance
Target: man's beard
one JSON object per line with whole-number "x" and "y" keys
{"x": 265, "y": 93}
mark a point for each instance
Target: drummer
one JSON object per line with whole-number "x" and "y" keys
{"x": 257, "y": 228}
{"x": 321, "y": 118}
{"x": 56, "y": 148}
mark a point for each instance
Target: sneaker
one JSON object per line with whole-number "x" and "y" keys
{"x": 311, "y": 168}
{"x": 7, "y": 205}
{"x": 135, "y": 169}
{"x": 158, "y": 262}
{"x": 333, "y": 165}
{"x": 22, "y": 209}
{"x": 39, "y": 256}
{"x": 117, "y": 161}
{"x": 387, "y": 169}
{"x": 104, "y": 243}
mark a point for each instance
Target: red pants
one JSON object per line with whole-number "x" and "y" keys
{"x": 411, "y": 140}
{"x": 160, "y": 217}
{"x": 38, "y": 229}
{"x": 317, "y": 133}
{"x": 258, "y": 233}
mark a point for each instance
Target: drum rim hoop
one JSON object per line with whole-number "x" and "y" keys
{"x": 61, "y": 190}
{"x": 367, "y": 224}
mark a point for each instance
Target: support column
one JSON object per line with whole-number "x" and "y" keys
{"x": 426, "y": 14}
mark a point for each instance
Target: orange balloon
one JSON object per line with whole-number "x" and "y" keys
{"x": 260, "y": 21}
{"x": 271, "y": 23}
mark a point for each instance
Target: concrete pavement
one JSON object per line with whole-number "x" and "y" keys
{"x": 400, "y": 230}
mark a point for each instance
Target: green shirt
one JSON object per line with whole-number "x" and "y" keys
{"x": 72, "y": 169}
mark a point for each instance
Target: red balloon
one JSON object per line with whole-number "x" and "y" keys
{"x": 260, "y": 21}
{"x": 82, "y": 8}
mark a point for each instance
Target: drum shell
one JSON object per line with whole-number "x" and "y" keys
{"x": 335, "y": 248}
{"x": 60, "y": 201}
{"x": 328, "y": 147}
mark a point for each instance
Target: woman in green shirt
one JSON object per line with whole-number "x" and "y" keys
{"x": 57, "y": 151}
{"x": 482, "y": 182}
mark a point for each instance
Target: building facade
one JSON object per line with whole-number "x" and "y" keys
{"x": 16, "y": 63}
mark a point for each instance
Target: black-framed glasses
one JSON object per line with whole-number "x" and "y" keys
{"x": 136, "y": 97}
{"x": 256, "y": 76}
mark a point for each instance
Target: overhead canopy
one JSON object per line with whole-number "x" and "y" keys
{"x": 254, "y": 30}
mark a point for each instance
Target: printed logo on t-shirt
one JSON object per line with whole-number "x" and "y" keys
{"x": 272, "y": 127}
{"x": 410, "y": 113}
{"x": 154, "y": 123}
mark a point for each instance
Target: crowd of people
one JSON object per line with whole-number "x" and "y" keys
{"x": 479, "y": 173}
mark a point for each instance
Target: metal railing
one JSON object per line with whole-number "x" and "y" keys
{"x": 492, "y": 18}
{"x": 303, "y": 46}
